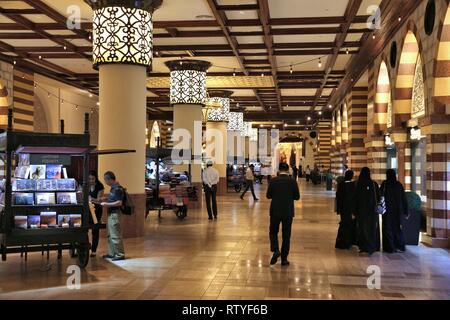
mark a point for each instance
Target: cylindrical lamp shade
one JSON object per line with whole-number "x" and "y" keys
{"x": 188, "y": 81}
{"x": 247, "y": 129}
{"x": 122, "y": 35}
{"x": 236, "y": 121}
{"x": 254, "y": 134}
{"x": 222, "y": 97}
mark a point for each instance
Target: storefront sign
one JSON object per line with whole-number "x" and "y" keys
{"x": 64, "y": 160}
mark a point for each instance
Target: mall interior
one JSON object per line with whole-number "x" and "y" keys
{"x": 123, "y": 86}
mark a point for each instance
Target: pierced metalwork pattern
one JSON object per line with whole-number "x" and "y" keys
{"x": 418, "y": 98}
{"x": 122, "y": 35}
{"x": 187, "y": 87}
{"x": 221, "y": 114}
{"x": 236, "y": 121}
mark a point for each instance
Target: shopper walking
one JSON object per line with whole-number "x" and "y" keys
{"x": 366, "y": 199}
{"x": 249, "y": 180}
{"x": 96, "y": 190}
{"x": 294, "y": 172}
{"x": 308, "y": 173}
{"x": 210, "y": 179}
{"x": 283, "y": 191}
{"x": 396, "y": 209}
{"x": 114, "y": 202}
{"x": 345, "y": 207}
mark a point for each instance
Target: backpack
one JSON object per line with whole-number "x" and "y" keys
{"x": 127, "y": 203}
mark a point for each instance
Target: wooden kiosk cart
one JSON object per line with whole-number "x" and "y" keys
{"x": 19, "y": 196}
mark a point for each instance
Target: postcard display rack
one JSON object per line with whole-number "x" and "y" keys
{"x": 41, "y": 208}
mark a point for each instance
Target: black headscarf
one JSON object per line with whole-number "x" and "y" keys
{"x": 391, "y": 176}
{"x": 348, "y": 175}
{"x": 364, "y": 175}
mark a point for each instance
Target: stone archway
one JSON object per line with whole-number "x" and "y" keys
{"x": 377, "y": 125}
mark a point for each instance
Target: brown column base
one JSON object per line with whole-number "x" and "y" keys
{"x": 133, "y": 226}
{"x": 222, "y": 186}
{"x": 197, "y": 204}
{"x": 435, "y": 242}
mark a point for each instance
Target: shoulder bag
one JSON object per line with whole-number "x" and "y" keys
{"x": 381, "y": 205}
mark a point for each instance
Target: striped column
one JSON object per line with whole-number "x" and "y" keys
{"x": 166, "y": 134}
{"x": 438, "y": 175}
{"x": 357, "y": 128}
{"x": 399, "y": 137}
{"x": 23, "y": 100}
{"x": 344, "y": 125}
{"x": 376, "y": 157}
{"x": 324, "y": 143}
{"x": 437, "y": 133}
{"x": 338, "y": 128}
{"x": 4, "y": 104}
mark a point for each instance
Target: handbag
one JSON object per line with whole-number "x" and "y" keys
{"x": 381, "y": 205}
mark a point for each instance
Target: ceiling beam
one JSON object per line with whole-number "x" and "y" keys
{"x": 350, "y": 14}
{"x": 200, "y": 23}
{"x": 32, "y": 27}
{"x": 264, "y": 17}
{"x": 55, "y": 15}
{"x": 223, "y": 23}
{"x": 238, "y": 7}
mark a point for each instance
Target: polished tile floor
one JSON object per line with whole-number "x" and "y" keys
{"x": 229, "y": 259}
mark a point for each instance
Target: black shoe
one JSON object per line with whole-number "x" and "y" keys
{"x": 242, "y": 198}
{"x": 118, "y": 258}
{"x": 210, "y": 218}
{"x": 284, "y": 262}
{"x": 107, "y": 256}
{"x": 215, "y": 217}
{"x": 275, "y": 257}
{"x": 256, "y": 199}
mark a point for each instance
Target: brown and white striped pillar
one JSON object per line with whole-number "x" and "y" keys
{"x": 357, "y": 128}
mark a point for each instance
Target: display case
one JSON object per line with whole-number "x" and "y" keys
{"x": 42, "y": 209}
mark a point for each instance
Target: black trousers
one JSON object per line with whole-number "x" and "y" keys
{"x": 210, "y": 194}
{"x": 96, "y": 231}
{"x": 249, "y": 185}
{"x": 286, "y": 226}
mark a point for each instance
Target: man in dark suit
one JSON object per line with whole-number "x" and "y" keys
{"x": 283, "y": 191}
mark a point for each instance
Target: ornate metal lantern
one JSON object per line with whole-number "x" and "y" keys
{"x": 188, "y": 81}
{"x": 123, "y": 31}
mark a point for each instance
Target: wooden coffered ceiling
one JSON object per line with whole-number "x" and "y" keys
{"x": 252, "y": 44}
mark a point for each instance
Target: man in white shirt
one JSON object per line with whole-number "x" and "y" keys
{"x": 210, "y": 179}
{"x": 249, "y": 179}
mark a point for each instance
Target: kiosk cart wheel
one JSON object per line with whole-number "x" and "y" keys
{"x": 83, "y": 255}
{"x": 3, "y": 249}
{"x": 181, "y": 212}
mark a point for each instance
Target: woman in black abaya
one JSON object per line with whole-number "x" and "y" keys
{"x": 345, "y": 207}
{"x": 366, "y": 199}
{"x": 396, "y": 208}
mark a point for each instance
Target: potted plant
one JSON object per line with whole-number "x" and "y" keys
{"x": 411, "y": 226}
